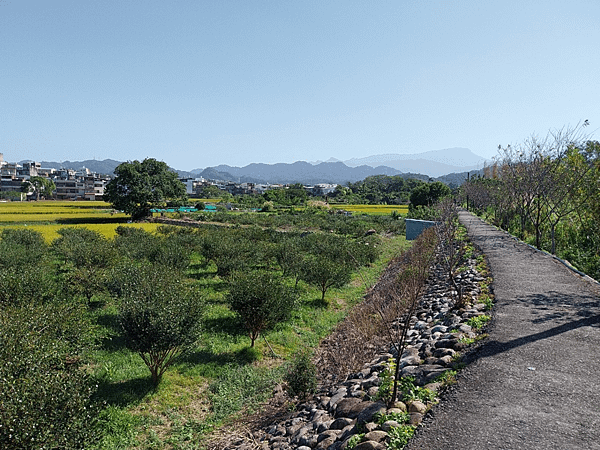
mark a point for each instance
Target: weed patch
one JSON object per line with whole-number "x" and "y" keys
{"x": 478, "y": 322}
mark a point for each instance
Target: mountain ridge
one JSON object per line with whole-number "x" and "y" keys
{"x": 433, "y": 164}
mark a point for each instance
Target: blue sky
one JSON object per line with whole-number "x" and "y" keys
{"x": 201, "y": 83}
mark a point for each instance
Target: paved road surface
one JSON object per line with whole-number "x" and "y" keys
{"x": 535, "y": 383}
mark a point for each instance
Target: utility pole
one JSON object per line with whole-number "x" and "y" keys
{"x": 468, "y": 179}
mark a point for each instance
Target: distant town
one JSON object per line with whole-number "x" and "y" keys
{"x": 84, "y": 184}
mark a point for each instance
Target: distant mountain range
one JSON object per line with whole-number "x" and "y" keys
{"x": 434, "y": 163}
{"x": 298, "y": 172}
{"x": 106, "y": 166}
{"x": 449, "y": 165}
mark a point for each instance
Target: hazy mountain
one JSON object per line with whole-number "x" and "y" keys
{"x": 433, "y": 163}
{"x": 299, "y": 172}
{"x": 449, "y": 165}
{"x": 329, "y": 160}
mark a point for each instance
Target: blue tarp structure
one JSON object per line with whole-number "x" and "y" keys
{"x": 415, "y": 227}
{"x": 180, "y": 209}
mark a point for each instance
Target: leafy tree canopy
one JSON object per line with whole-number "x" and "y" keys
{"x": 428, "y": 194}
{"x": 290, "y": 196}
{"x": 140, "y": 186}
{"x": 39, "y": 186}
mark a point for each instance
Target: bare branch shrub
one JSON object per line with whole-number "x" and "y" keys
{"x": 384, "y": 318}
{"x": 450, "y": 250}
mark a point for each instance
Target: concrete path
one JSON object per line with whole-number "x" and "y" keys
{"x": 535, "y": 382}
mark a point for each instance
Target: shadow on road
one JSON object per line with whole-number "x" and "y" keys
{"x": 545, "y": 309}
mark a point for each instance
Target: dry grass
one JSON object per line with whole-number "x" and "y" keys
{"x": 380, "y": 321}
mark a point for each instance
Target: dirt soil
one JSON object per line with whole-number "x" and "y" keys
{"x": 533, "y": 383}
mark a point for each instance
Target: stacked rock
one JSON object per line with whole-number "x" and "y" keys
{"x": 331, "y": 419}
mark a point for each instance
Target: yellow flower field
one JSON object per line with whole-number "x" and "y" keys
{"x": 49, "y": 231}
{"x": 46, "y": 217}
{"x": 51, "y": 211}
{"x": 374, "y": 209}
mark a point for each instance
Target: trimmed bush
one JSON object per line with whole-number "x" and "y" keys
{"x": 82, "y": 247}
{"x": 160, "y": 321}
{"x": 261, "y": 300}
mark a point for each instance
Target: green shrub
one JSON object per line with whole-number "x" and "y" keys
{"x": 301, "y": 375}
{"x": 355, "y": 440}
{"x": 381, "y": 418}
{"x": 21, "y": 247}
{"x": 135, "y": 243}
{"x": 411, "y": 392}
{"x": 129, "y": 279}
{"x": 325, "y": 273}
{"x": 447, "y": 378}
{"x": 261, "y": 300}
{"x": 487, "y": 301}
{"x": 399, "y": 436}
{"x": 46, "y": 394}
{"x": 289, "y": 256}
{"x": 82, "y": 282}
{"x": 83, "y": 247}
{"x": 478, "y": 322}
{"x": 160, "y": 322}
{"x": 170, "y": 251}
{"x": 27, "y": 284}
{"x": 229, "y": 250}
{"x": 386, "y": 388}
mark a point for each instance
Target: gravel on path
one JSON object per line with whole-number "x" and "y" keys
{"x": 534, "y": 382}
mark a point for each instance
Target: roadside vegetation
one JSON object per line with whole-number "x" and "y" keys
{"x": 545, "y": 191}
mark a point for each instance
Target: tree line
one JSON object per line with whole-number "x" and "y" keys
{"x": 545, "y": 190}
{"x": 139, "y": 187}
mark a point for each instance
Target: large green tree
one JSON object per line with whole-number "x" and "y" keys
{"x": 428, "y": 194}
{"x": 290, "y": 196}
{"x": 140, "y": 186}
